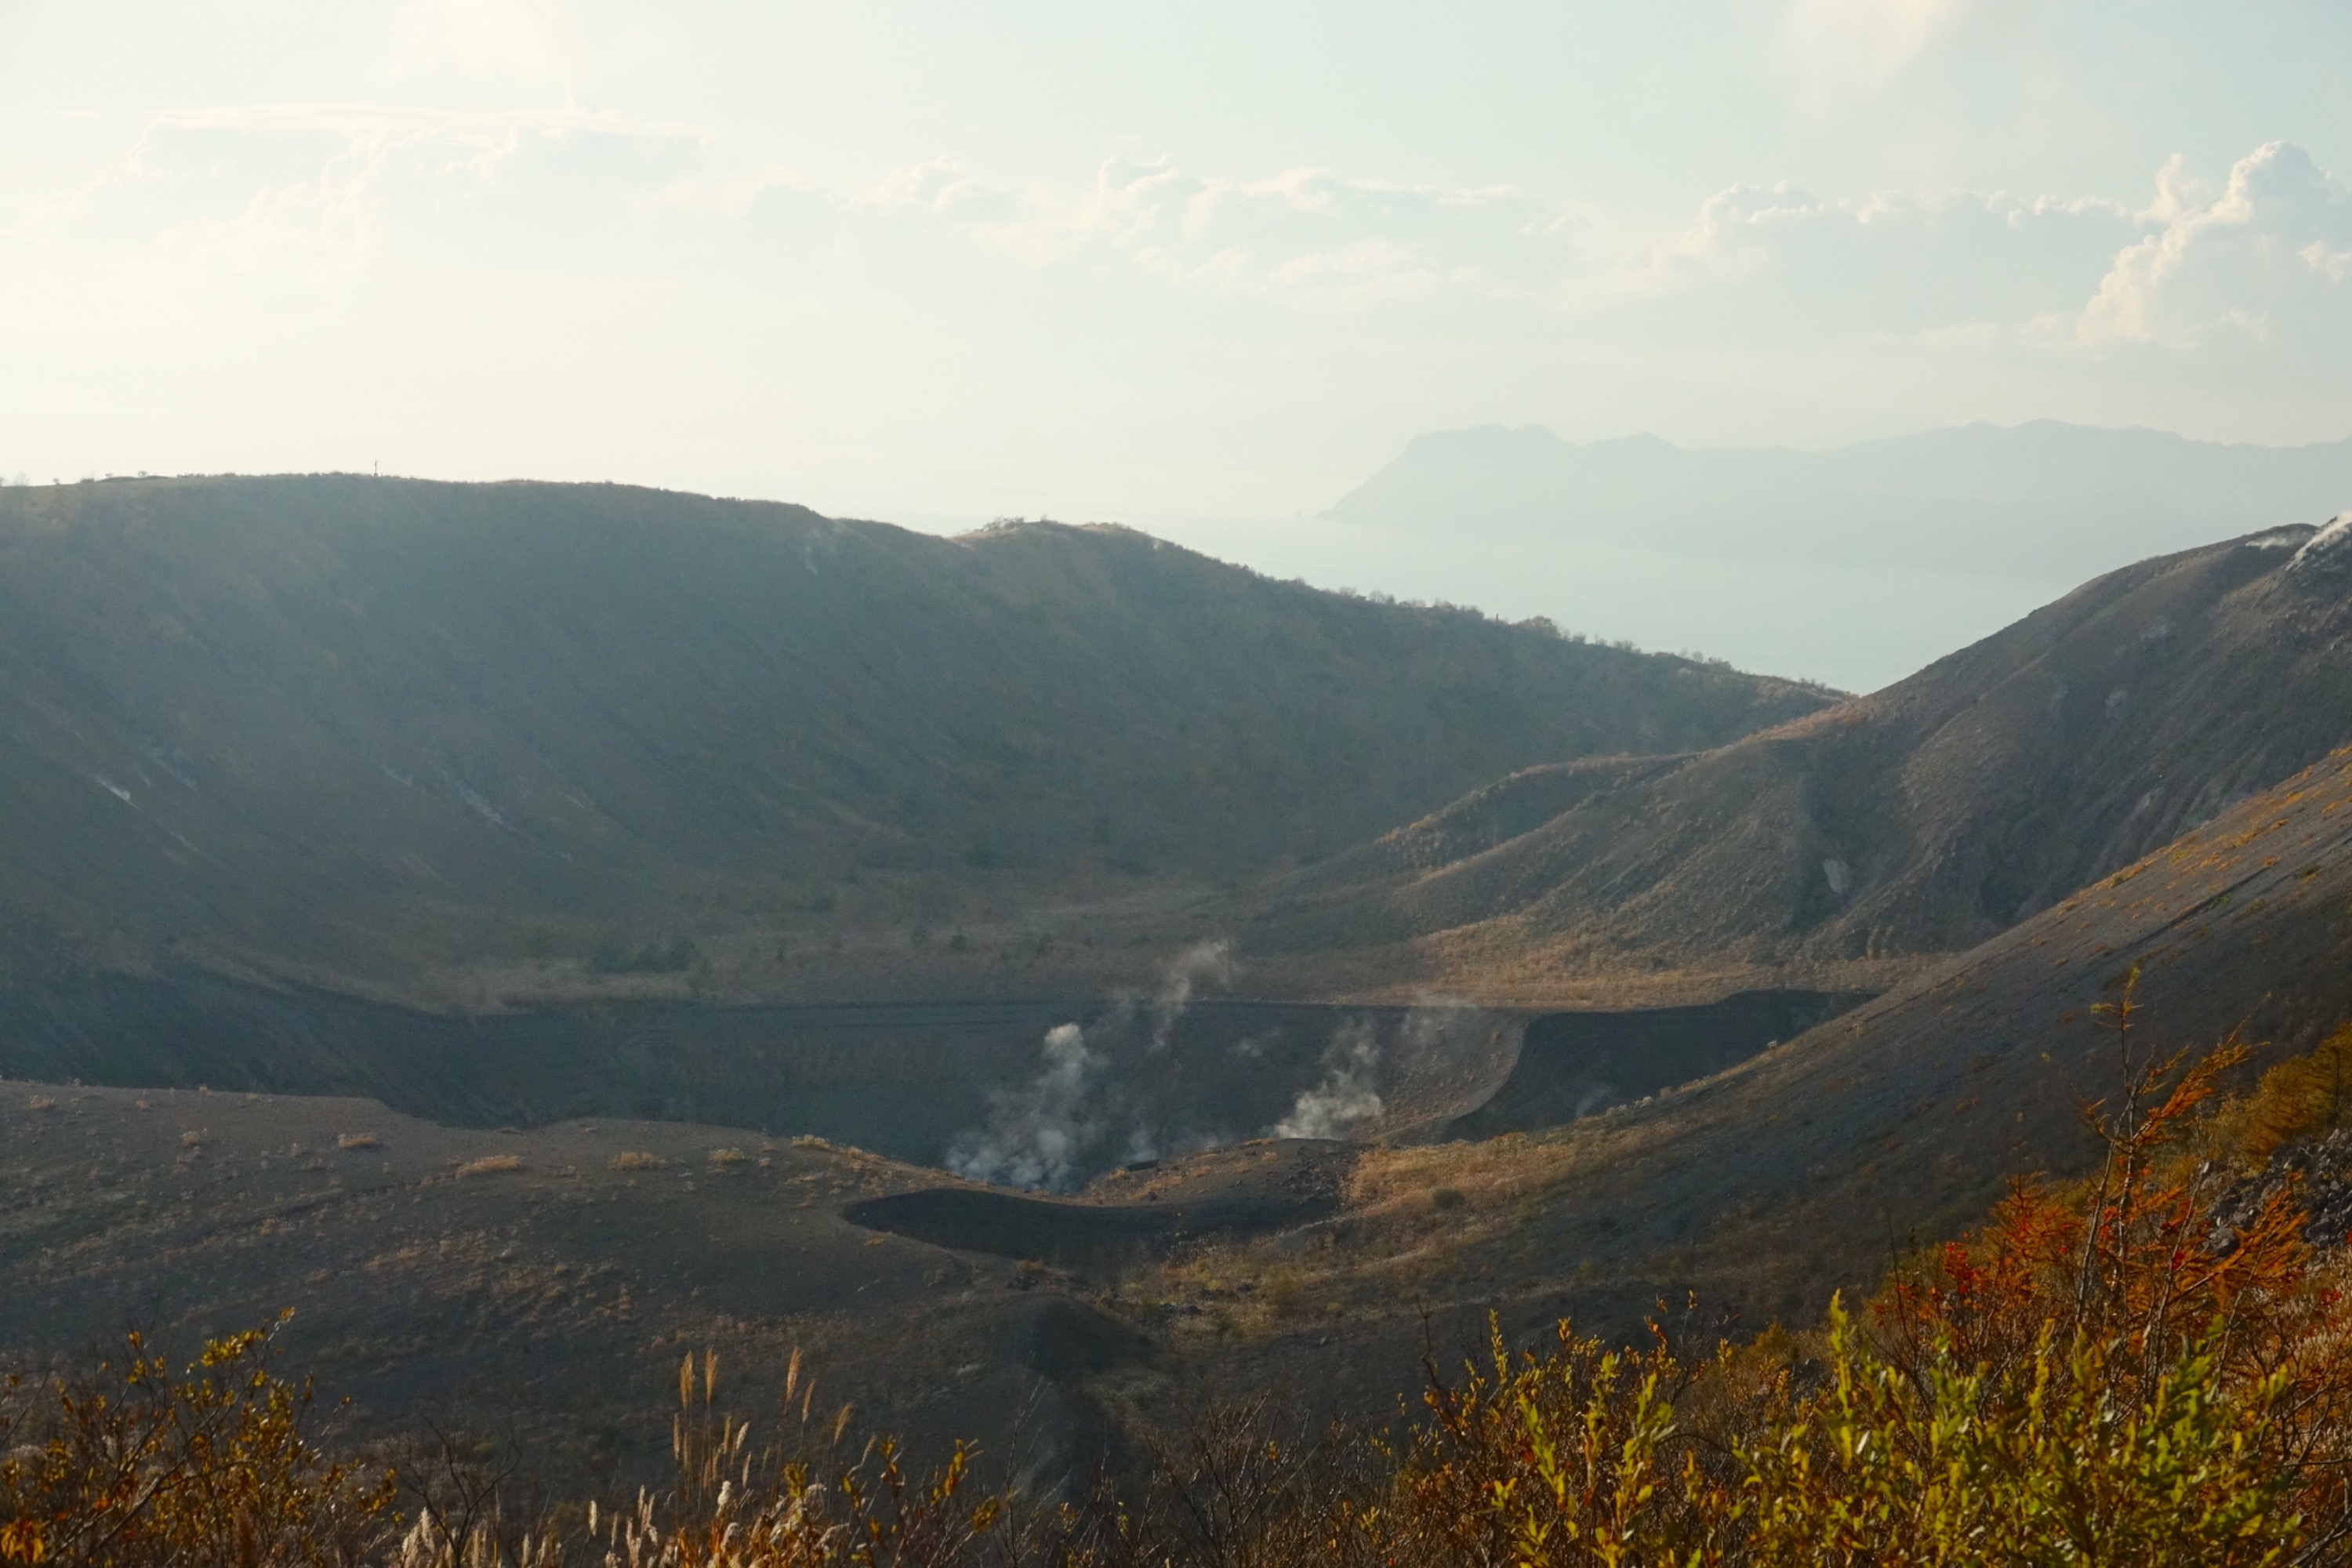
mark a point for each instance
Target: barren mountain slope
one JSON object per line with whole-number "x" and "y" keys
{"x": 1920, "y": 820}
{"x": 1812, "y": 1166}
{"x": 367, "y": 731}
{"x": 536, "y": 1289}
{"x": 562, "y": 1281}
{"x": 1904, "y": 1116}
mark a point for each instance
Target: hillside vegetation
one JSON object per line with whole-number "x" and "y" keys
{"x": 2142, "y": 1346}
{"x": 574, "y": 1255}
{"x": 1804, "y": 1169}
{"x": 2149, "y": 1369}
{"x": 1920, "y": 820}
{"x": 393, "y": 735}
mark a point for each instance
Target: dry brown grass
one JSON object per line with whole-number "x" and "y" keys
{"x": 490, "y": 1165}
{"x": 635, "y": 1160}
{"x": 1492, "y": 1173}
{"x": 722, "y": 1158}
{"x": 1735, "y": 1458}
{"x": 1419, "y": 1223}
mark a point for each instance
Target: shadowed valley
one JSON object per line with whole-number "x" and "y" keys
{"x": 1044, "y": 1089}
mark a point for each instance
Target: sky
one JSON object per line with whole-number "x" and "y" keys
{"x": 1170, "y": 265}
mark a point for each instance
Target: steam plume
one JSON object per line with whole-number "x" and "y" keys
{"x": 1209, "y": 961}
{"x": 1346, "y": 1095}
{"x": 1038, "y": 1134}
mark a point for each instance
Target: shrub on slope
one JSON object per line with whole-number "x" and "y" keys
{"x": 2102, "y": 1375}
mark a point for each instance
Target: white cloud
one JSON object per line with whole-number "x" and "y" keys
{"x": 2276, "y": 243}
{"x": 1888, "y": 266}
{"x": 1311, "y": 238}
{"x": 943, "y": 188}
{"x": 331, "y": 223}
{"x": 1730, "y": 239}
{"x": 1761, "y": 264}
{"x": 332, "y": 188}
{"x": 1305, "y": 239}
{"x": 328, "y": 188}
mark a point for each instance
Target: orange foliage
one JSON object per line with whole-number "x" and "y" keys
{"x": 214, "y": 1465}
{"x": 2104, "y": 1373}
{"x": 2134, "y": 1260}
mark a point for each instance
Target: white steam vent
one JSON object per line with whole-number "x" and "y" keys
{"x": 1346, "y": 1096}
{"x": 2328, "y": 547}
{"x": 1037, "y": 1132}
{"x": 1209, "y": 961}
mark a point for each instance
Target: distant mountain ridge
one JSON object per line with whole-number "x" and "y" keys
{"x": 360, "y": 730}
{"x": 1924, "y": 819}
{"x": 2043, "y": 501}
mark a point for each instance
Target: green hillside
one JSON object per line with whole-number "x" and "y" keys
{"x": 420, "y": 738}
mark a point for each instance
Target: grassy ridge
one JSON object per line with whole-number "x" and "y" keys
{"x": 1922, "y": 820}
{"x": 353, "y": 728}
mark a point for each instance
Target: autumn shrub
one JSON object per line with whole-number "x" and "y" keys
{"x": 134, "y": 1465}
{"x": 2105, "y": 1374}
{"x": 2297, "y": 1098}
{"x": 2180, "y": 1315}
{"x": 2149, "y": 1367}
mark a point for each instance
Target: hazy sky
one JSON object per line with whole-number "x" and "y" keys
{"x": 945, "y": 261}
